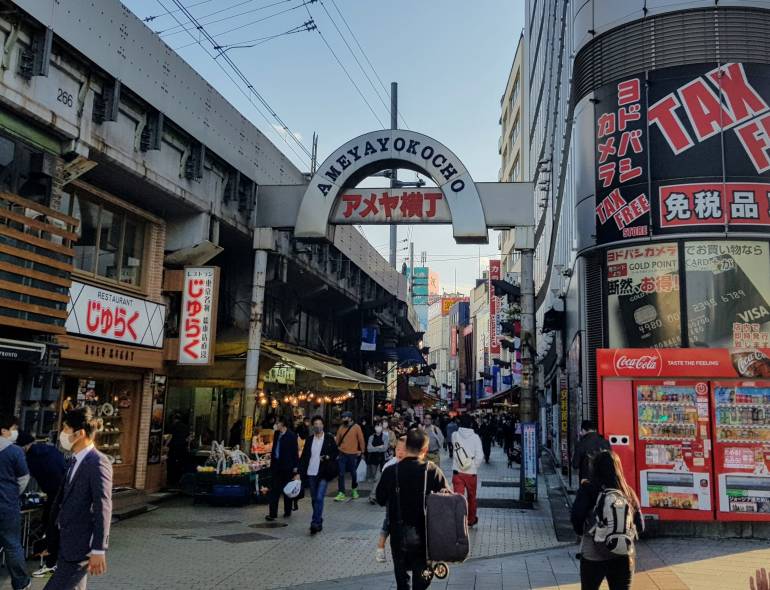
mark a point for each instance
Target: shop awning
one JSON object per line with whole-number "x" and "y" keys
{"x": 511, "y": 393}
{"x": 326, "y": 375}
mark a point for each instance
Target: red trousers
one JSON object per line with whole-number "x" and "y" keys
{"x": 462, "y": 482}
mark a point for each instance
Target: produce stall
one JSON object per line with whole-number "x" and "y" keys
{"x": 231, "y": 478}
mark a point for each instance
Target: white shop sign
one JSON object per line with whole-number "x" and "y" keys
{"x": 196, "y": 326}
{"x": 101, "y": 313}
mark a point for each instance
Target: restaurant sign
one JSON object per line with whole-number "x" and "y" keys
{"x": 197, "y": 325}
{"x": 101, "y": 313}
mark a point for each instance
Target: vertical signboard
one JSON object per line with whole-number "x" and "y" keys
{"x": 564, "y": 422}
{"x": 197, "y": 324}
{"x": 528, "y": 461}
{"x": 494, "y": 309}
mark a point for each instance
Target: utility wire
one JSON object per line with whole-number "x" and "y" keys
{"x": 248, "y": 97}
{"x": 308, "y": 26}
{"x": 355, "y": 57}
{"x": 344, "y": 69}
{"x": 366, "y": 57}
{"x": 177, "y": 29}
{"x": 243, "y": 26}
{"x": 148, "y": 19}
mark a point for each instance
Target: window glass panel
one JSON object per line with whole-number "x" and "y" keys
{"x": 133, "y": 253}
{"x": 728, "y": 293}
{"x": 643, "y": 296}
{"x": 109, "y": 242}
{"x": 7, "y": 154}
{"x": 85, "y": 247}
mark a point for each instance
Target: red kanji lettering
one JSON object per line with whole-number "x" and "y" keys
{"x": 352, "y": 203}
{"x": 707, "y": 113}
{"x": 192, "y": 327}
{"x": 647, "y": 285}
{"x": 92, "y": 322}
{"x": 388, "y": 204}
{"x": 107, "y": 320}
{"x": 120, "y": 321}
{"x": 194, "y": 308}
{"x": 743, "y": 100}
{"x": 663, "y": 114}
{"x": 432, "y": 199}
{"x": 606, "y": 149}
{"x": 192, "y": 291}
{"x": 190, "y": 347}
{"x": 628, "y": 92}
{"x": 411, "y": 205}
{"x": 130, "y": 324}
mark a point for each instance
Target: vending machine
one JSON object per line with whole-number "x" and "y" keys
{"x": 673, "y": 449}
{"x": 741, "y": 411}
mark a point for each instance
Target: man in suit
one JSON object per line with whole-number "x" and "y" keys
{"x": 284, "y": 463}
{"x": 14, "y": 477}
{"x": 84, "y": 504}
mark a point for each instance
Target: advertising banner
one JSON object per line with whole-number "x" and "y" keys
{"x": 707, "y": 122}
{"x": 101, "y": 313}
{"x": 643, "y": 298}
{"x": 529, "y": 460}
{"x": 495, "y": 305}
{"x": 564, "y": 422}
{"x": 703, "y": 363}
{"x": 197, "y": 329}
{"x": 728, "y": 290}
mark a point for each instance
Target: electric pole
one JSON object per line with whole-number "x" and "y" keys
{"x": 393, "y": 171}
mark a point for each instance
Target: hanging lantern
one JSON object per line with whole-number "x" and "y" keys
{"x": 263, "y": 401}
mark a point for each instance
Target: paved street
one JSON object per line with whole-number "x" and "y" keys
{"x": 186, "y": 547}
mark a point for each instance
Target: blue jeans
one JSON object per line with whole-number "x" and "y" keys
{"x": 318, "y": 487}
{"x": 347, "y": 463}
{"x": 10, "y": 541}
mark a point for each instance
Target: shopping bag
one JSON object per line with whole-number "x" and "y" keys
{"x": 361, "y": 471}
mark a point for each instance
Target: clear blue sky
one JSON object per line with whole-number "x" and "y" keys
{"x": 451, "y": 59}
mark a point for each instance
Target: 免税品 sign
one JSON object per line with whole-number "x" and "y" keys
{"x": 197, "y": 330}
{"x": 101, "y": 313}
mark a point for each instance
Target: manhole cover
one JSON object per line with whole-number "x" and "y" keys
{"x": 268, "y": 525}
{"x": 499, "y": 484}
{"x": 243, "y": 538}
{"x": 503, "y": 503}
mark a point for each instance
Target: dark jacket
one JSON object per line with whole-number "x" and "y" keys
{"x": 85, "y": 508}
{"x": 582, "y": 517}
{"x": 411, "y": 476}
{"x": 588, "y": 445}
{"x": 288, "y": 457}
{"x": 13, "y": 477}
{"x": 329, "y": 449}
{"x": 46, "y": 465}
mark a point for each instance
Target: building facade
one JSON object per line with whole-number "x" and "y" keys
{"x": 648, "y": 148}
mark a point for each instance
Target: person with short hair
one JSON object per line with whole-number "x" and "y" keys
{"x": 319, "y": 449}
{"x": 14, "y": 477}
{"x": 402, "y": 489}
{"x": 436, "y": 438}
{"x": 284, "y": 467}
{"x": 351, "y": 445}
{"x": 590, "y": 443}
{"x": 47, "y": 467}
{"x": 83, "y": 504}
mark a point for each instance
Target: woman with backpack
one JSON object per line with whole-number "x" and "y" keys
{"x": 606, "y": 515}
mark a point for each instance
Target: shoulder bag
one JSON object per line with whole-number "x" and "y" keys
{"x": 411, "y": 541}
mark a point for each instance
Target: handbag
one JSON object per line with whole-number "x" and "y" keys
{"x": 411, "y": 541}
{"x": 328, "y": 469}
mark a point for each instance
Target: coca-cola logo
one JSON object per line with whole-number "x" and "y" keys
{"x": 626, "y": 362}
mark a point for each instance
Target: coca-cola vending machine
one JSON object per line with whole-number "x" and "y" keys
{"x": 692, "y": 427}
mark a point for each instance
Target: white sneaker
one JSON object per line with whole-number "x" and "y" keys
{"x": 44, "y": 571}
{"x": 380, "y": 555}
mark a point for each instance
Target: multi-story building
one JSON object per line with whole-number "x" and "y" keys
{"x": 513, "y": 145}
{"x": 126, "y": 179}
{"x": 648, "y": 147}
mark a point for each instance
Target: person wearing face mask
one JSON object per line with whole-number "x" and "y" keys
{"x": 284, "y": 464}
{"x": 436, "y": 438}
{"x": 351, "y": 444}
{"x": 83, "y": 504}
{"x": 318, "y": 465}
{"x": 14, "y": 477}
{"x": 376, "y": 446}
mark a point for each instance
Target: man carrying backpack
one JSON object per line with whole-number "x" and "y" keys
{"x": 468, "y": 455}
{"x": 606, "y": 515}
{"x": 402, "y": 489}
{"x": 590, "y": 443}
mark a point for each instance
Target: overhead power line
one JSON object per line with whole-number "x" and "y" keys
{"x": 148, "y": 19}
{"x": 366, "y": 57}
{"x": 344, "y": 69}
{"x": 249, "y": 97}
{"x": 307, "y": 26}
{"x": 175, "y": 30}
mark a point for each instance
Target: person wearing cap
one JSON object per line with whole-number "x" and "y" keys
{"x": 351, "y": 444}
{"x": 47, "y": 467}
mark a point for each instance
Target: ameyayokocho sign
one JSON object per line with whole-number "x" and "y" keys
{"x": 384, "y": 206}
{"x": 683, "y": 362}
{"x": 101, "y": 313}
{"x": 656, "y": 133}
